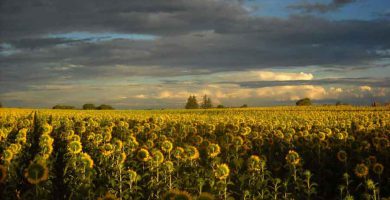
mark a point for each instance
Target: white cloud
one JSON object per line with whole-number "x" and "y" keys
{"x": 258, "y": 75}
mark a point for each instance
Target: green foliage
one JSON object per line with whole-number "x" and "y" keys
{"x": 244, "y": 106}
{"x": 192, "y": 103}
{"x": 65, "y": 107}
{"x": 105, "y": 107}
{"x": 220, "y": 106}
{"x": 304, "y": 102}
{"x": 89, "y": 106}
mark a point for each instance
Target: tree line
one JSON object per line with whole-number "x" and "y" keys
{"x": 87, "y": 106}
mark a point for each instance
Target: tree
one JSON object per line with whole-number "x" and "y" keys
{"x": 244, "y": 106}
{"x": 105, "y": 107}
{"x": 220, "y": 106}
{"x": 59, "y": 106}
{"x": 303, "y": 102}
{"x": 89, "y": 106}
{"x": 192, "y": 103}
{"x": 206, "y": 102}
{"x": 1, "y": 105}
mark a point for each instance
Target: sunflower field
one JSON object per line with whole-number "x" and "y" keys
{"x": 317, "y": 152}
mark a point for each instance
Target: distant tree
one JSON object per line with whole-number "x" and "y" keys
{"x": 1, "y": 105}
{"x": 105, "y": 107}
{"x": 244, "y": 106}
{"x": 375, "y": 104}
{"x": 192, "y": 103}
{"x": 220, "y": 106}
{"x": 89, "y": 106}
{"x": 206, "y": 102}
{"x": 303, "y": 102}
{"x": 59, "y": 106}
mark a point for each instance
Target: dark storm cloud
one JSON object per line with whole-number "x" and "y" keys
{"x": 372, "y": 82}
{"x": 321, "y": 7}
{"x": 19, "y": 18}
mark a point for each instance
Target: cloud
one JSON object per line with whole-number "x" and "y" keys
{"x": 258, "y": 75}
{"x": 321, "y": 7}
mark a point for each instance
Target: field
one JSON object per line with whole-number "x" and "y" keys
{"x": 314, "y": 152}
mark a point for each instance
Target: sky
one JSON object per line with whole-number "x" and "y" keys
{"x": 143, "y": 54}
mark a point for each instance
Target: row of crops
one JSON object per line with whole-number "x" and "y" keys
{"x": 265, "y": 153}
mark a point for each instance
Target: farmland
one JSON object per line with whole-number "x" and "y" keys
{"x": 317, "y": 152}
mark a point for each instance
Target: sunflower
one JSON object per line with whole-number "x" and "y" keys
{"x": 238, "y": 141}
{"x": 143, "y": 155}
{"x": 177, "y": 195}
{"x": 178, "y": 153}
{"x": 222, "y": 171}
{"x": 118, "y": 144}
{"x": 361, "y": 170}
{"x": 108, "y": 196}
{"x": 192, "y": 152}
{"x": 8, "y": 155}
{"x": 36, "y": 172}
{"x": 75, "y": 147}
{"x": 158, "y": 157}
{"x": 293, "y": 157}
{"x": 342, "y": 156}
{"x": 168, "y": 166}
{"x": 86, "y": 160}
{"x": 167, "y": 146}
{"x": 378, "y": 168}
{"x": 255, "y": 163}
{"x": 321, "y": 136}
{"x": 46, "y": 128}
{"x": 3, "y": 173}
{"x": 213, "y": 150}
{"x": 132, "y": 175}
{"x": 205, "y": 196}
{"x": 245, "y": 131}
{"x": 121, "y": 157}
{"x": 107, "y": 149}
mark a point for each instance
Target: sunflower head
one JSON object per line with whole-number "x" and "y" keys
{"x": 255, "y": 163}
{"x": 120, "y": 157}
{"x": 75, "y": 147}
{"x": 86, "y": 160}
{"x": 158, "y": 157}
{"x": 143, "y": 155}
{"x": 36, "y": 172}
{"x": 108, "y": 196}
{"x": 222, "y": 171}
{"x": 191, "y": 152}
{"x": 46, "y": 128}
{"x": 378, "y": 168}
{"x": 213, "y": 150}
{"x": 178, "y": 153}
{"x": 132, "y": 175}
{"x": 177, "y": 195}
{"x": 118, "y": 144}
{"x": 293, "y": 157}
{"x": 167, "y": 146}
{"x": 8, "y": 155}
{"x": 361, "y": 170}
{"x": 168, "y": 166}
{"x": 3, "y": 174}
{"x": 342, "y": 156}
{"x": 107, "y": 149}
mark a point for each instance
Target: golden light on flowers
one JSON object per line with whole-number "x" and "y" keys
{"x": 8, "y": 155}
{"x": 158, "y": 157}
{"x": 75, "y": 147}
{"x": 143, "y": 155}
{"x": 191, "y": 152}
{"x": 378, "y": 168}
{"x": 342, "y": 156}
{"x": 3, "y": 173}
{"x": 178, "y": 153}
{"x": 213, "y": 150}
{"x": 36, "y": 172}
{"x": 107, "y": 149}
{"x": 46, "y": 128}
{"x": 86, "y": 160}
{"x": 222, "y": 171}
{"x": 293, "y": 157}
{"x": 167, "y": 146}
{"x": 361, "y": 170}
